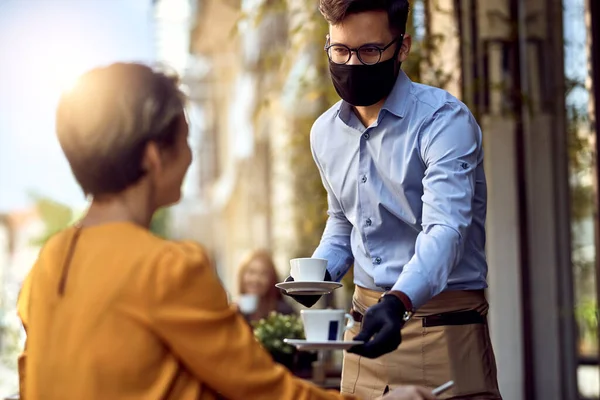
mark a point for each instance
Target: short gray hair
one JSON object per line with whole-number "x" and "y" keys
{"x": 106, "y": 120}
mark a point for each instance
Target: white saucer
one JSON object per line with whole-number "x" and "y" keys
{"x": 327, "y": 345}
{"x": 306, "y": 288}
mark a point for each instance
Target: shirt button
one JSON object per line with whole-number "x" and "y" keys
{"x": 368, "y": 221}
{"x": 364, "y": 179}
{"x": 366, "y": 136}
{"x": 378, "y": 260}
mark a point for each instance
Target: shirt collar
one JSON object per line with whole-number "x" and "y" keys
{"x": 396, "y": 101}
{"x": 346, "y": 114}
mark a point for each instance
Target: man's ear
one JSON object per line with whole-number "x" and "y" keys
{"x": 405, "y": 49}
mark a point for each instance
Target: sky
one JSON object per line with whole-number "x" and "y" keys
{"x": 576, "y": 56}
{"x": 45, "y": 45}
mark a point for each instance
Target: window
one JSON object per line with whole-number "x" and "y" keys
{"x": 583, "y": 175}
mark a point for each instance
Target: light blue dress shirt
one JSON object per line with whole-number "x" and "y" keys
{"x": 406, "y": 196}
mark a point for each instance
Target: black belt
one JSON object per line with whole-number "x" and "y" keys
{"x": 451, "y": 318}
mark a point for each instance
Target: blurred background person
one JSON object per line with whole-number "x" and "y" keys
{"x": 259, "y": 297}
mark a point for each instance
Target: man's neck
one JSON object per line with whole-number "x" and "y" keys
{"x": 368, "y": 115}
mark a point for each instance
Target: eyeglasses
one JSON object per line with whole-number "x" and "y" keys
{"x": 367, "y": 54}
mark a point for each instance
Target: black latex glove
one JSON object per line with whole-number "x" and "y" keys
{"x": 306, "y": 301}
{"x": 382, "y": 322}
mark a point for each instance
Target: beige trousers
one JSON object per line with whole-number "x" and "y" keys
{"x": 428, "y": 356}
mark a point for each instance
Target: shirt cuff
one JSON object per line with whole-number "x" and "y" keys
{"x": 338, "y": 262}
{"x": 415, "y": 286}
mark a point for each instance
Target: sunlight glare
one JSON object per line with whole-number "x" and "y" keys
{"x": 63, "y": 77}
{"x": 67, "y": 58}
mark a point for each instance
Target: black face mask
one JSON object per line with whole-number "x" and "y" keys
{"x": 364, "y": 85}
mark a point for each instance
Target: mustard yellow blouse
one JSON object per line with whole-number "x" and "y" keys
{"x": 139, "y": 317}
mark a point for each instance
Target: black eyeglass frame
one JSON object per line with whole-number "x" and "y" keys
{"x": 357, "y": 50}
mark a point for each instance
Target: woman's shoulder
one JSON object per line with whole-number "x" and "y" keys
{"x": 173, "y": 256}
{"x": 140, "y": 246}
{"x": 187, "y": 249}
{"x": 180, "y": 270}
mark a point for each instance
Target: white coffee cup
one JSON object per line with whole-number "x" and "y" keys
{"x": 308, "y": 269}
{"x": 247, "y": 303}
{"x": 325, "y": 325}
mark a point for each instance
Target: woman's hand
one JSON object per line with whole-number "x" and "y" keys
{"x": 409, "y": 392}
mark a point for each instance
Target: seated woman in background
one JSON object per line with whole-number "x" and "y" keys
{"x": 257, "y": 277}
{"x": 112, "y": 311}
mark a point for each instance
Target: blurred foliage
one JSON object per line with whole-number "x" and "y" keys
{"x": 161, "y": 222}
{"x": 582, "y": 171}
{"x": 10, "y": 335}
{"x": 57, "y": 216}
{"x": 581, "y": 158}
{"x": 54, "y": 215}
{"x": 305, "y": 29}
{"x": 587, "y": 318}
{"x": 271, "y": 331}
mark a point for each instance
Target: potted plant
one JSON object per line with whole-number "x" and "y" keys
{"x": 271, "y": 331}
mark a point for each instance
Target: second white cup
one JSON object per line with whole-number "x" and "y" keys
{"x": 325, "y": 325}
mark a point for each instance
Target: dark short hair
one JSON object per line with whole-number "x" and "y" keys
{"x": 106, "y": 120}
{"x": 335, "y": 11}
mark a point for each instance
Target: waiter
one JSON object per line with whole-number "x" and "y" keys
{"x": 402, "y": 164}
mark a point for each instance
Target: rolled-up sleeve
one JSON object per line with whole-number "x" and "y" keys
{"x": 450, "y": 147}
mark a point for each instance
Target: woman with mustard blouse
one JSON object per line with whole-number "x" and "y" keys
{"x": 114, "y": 312}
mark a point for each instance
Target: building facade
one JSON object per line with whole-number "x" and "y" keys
{"x": 527, "y": 73}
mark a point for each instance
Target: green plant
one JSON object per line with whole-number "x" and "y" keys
{"x": 271, "y": 331}
{"x": 55, "y": 216}
{"x": 160, "y": 223}
{"x": 587, "y": 316}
